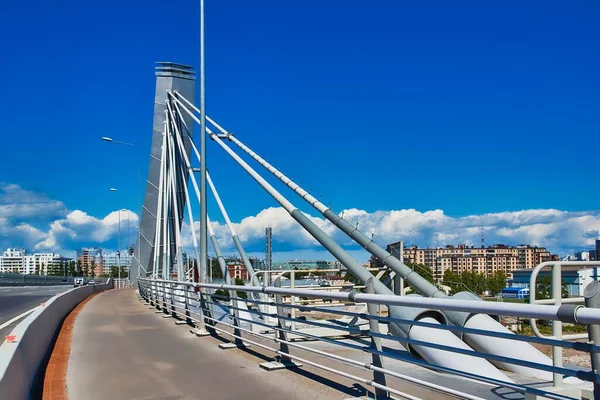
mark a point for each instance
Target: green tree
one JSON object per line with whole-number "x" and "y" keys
{"x": 90, "y": 270}
{"x": 79, "y": 270}
{"x": 466, "y": 281}
{"x": 72, "y": 268}
{"x": 496, "y": 282}
{"x": 114, "y": 272}
{"x": 240, "y": 282}
{"x": 543, "y": 289}
{"x": 349, "y": 277}
{"x": 422, "y": 270}
{"x": 215, "y": 268}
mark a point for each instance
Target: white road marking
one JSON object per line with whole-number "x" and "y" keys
{"x": 18, "y": 317}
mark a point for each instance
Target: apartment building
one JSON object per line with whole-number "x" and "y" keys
{"x": 484, "y": 260}
{"x": 91, "y": 256}
{"x": 18, "y": 261}
{"x": 110, "y": 260}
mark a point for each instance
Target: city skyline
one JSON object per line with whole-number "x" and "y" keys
{"x": 36, "y": 222}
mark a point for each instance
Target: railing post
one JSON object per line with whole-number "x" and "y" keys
{"x": 281, "y": 361}
{"x": 591, "y": 294}
{"x": 200, "y": 329}
{"x": 292, "y": 299}
{"x": 164, "y": 297}
{"x": 173, "y": 309}
{"x": 557, "y": 351}
{"x": 378, "y": 376}
{"x": 188, "y": 320}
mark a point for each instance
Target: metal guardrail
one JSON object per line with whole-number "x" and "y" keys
{"x": 11, "y": 279}
{"x": 556, "y": 300}
{"x": 271, "y": 320}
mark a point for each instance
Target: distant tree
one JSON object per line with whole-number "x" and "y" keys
{"x": 241, "y": 294}
{"x": 349, "y": 277}
{"x": 466, "y": 281}
{"x": 90, "y": 270}
{"x": 114, "y": 272}
{"x": 215, "y": 269}
{"x": 422, "y": 270}
{"x": 543, "y": 288}
{"x": 72, "y": 268}
{"x": 496, "y": 282}
{"x": 79, "y": 270}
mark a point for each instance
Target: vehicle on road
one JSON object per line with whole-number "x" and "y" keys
{"x": 91, "y": 282}
{"x": 80, "y": 282}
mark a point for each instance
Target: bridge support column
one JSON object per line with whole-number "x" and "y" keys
{"x": 169, "y": 77}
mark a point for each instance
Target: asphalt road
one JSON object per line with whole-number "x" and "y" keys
{"x": 16, "y": 300}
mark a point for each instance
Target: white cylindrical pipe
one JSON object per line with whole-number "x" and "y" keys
{"x": 505, "y": 347}
{"x": 460, "y": 362}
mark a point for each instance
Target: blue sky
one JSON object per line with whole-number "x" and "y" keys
{"x": 472, "y": 108}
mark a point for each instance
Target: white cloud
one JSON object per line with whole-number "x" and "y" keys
{"x": 78, "y": 227}
{"x": 561, "y": 231}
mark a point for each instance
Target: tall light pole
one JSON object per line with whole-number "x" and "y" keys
{"x": 203, "y": 221}
{"x": 111, "y": 140}
{"x": 118, "y": 240}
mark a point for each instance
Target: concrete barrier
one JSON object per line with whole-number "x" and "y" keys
{"x": 22, "y": 360}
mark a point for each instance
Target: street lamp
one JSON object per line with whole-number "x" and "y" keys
{"x": 118, "y": 240}
{"x": 111, "y": 140}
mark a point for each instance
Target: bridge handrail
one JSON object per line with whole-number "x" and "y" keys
{"x": 175, "y": 297}
{"x": 577, "y": 314}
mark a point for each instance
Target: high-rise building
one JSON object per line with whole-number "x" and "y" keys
{"x": 90, "y": 257}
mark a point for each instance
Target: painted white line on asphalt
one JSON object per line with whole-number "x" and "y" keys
{"x": 27, "y": 293}
{"x": 18, "y": 317}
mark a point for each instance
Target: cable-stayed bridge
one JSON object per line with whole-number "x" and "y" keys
{"x": 456, "y": 335}
{"x": 278, "y": 337}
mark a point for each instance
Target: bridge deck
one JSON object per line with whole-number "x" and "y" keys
{"x": 123, "y": 350}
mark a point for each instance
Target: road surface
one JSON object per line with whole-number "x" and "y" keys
{"x": 15, "y": 300}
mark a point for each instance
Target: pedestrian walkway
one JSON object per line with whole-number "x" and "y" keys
{"x": 121, "y": 350}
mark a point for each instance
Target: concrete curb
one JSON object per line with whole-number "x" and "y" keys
{"x": 21, "y": 360}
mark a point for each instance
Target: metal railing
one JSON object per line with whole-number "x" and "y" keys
{"x": 557, "y": 300}
{"x": 14, "y": 279}
{"x": 248, "y": 320}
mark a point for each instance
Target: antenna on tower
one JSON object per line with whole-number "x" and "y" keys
{"x": 482, "y": 238}
{"x": 268, "y": 248}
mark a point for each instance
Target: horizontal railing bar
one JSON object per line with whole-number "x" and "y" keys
{"x": 584, "y": 316}
{"x": 565, "y": 371}
{"x": 579, "y": 346}
{"x": 516, "y": 387}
